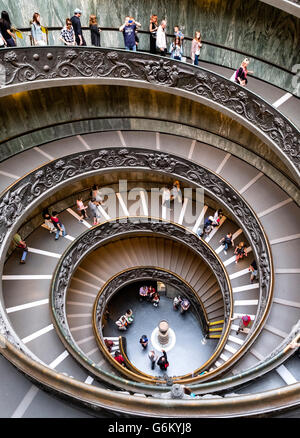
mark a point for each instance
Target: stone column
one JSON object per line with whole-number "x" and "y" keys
{"x": 163, "y": 332}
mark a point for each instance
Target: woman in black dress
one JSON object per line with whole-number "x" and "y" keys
{"x": 95, "y": 31}
{"x": 153, "y": 28}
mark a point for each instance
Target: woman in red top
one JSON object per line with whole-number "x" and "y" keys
{"x": 119, "y": 358}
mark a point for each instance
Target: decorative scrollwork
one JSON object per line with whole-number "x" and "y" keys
{"x": 25, "y": 194}
{"x": 30, "y": 64}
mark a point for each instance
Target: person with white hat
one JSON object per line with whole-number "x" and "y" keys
{"x": 80, "y": 41}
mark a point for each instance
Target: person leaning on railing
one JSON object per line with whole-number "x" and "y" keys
{"x": 36, "y": 31}
{"x": 67, "y": 34}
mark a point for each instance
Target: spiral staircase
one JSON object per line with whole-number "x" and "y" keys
{"x": 50, "y": 337}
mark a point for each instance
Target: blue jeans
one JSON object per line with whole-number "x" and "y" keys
{"x": 196, "y": 60}
{"x": 58, "y": 231}
{"x": 24, "y": 255}
{"x": 11, "y": 42}
{"x": 226, "y": 246}
{"x": 133, "y": 48}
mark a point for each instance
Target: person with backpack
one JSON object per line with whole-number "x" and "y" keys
{"x": 207, "y": 227}
{"x": 163, "y": 361}
{"x": 227, "y": 242}
{"x": 240, "y": 251}
{"x": 144, "y": 341}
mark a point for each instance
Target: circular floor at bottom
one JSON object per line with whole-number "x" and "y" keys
{"x": 190, "y": 351}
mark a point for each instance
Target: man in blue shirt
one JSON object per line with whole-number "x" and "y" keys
{"x": 80, "y": 41}
{"x": 129, "y": 29}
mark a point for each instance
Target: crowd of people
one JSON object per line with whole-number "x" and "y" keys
{"x": 125, "y": 320}
{"x": 149, "y": 294}
{"x": 72, "y": 34}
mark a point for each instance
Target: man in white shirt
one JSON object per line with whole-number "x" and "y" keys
{"x": 161, "y": 42}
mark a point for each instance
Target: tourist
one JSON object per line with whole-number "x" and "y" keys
{"x": 153, "y": 358}
{"x": 151, "y": 292}
{"x": 253, "y": 269}
{"x": 240, "y": 251}
{"x": 153, "y": 26}
{"x": 95, "y": 31}
{"x": 144, "y": 341}
{"x": 128, "y": 29}
{"x": 217, "y": 217}
{"x": 176, "y": 49}
{"x": 166, "y": 197}
{"x": 163, "y": 361}
{"x": 67, "y": 34}
{"x": 161, "y": 41}
{"x": 195, "y": 49}
{"x": 245, "y": 322}
{"x": 119, "y": 358}
{"x": 207, "y": 227}
{"x": 58, "y": 225}
{"x": 81, "y": 208}
{"x": 240, "y": 76}
{"x": 155, "y": 300}
{"x": 36, "y": 31}
{"x": 19, "y": 243}
{"x": 178, "y": 33}
{"x": 47, "y": 220}
{"x": 80, "y": 41}
{"x": 176, "y": 192}
{"x": 176, "y": 302}
{"x": 143, "y": 293}
{"x": 94, "y": 211}
{"x": 122, "y": 323}
{"x": 96, "y": 193}
{"x": 227, "y": 242}
{"x": 129, "y": 316}
{"x": 184, "y": 305}
{"x": 6, "y": 30}
{"x": 109, "y": 344}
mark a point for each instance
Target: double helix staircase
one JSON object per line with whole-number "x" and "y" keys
{"x": 26, "y": 287}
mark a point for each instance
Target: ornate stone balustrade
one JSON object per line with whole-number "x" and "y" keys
{"x": 26, "y": 193}
{"x": 102, "y": 234}
{"x": 38, "y": 67}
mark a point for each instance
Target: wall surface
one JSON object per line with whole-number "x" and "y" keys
{"x": 250, "y": 26}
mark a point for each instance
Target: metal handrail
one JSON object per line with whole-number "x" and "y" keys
{"x": 187, "y": 38}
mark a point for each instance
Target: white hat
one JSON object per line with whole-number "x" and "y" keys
{"x": 77, "y": 11}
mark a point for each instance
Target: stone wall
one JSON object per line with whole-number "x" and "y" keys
{"x": 250, "y": 26}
